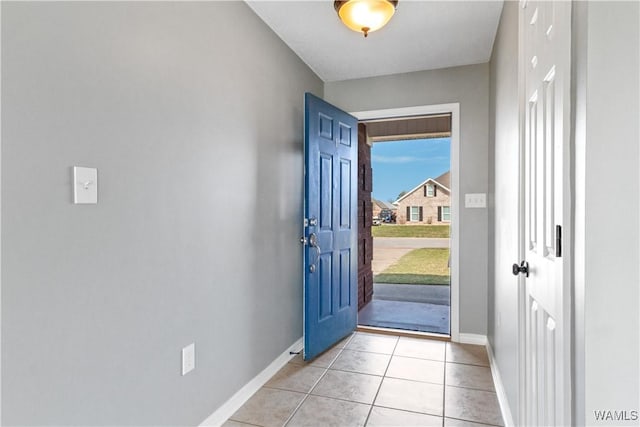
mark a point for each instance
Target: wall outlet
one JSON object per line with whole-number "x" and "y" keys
{"x": 188, "y": 358}
{"x": 475, "y": 200}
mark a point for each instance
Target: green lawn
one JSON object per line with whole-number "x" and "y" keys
{"x": 393, "y": 230}
{"x": 419, "y": 267}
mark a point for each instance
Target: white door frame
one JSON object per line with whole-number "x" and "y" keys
{"x": 454, "y": 110}
{"x": 0, "y": 240}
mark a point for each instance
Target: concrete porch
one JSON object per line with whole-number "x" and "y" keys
{"x": 423, "y": 308}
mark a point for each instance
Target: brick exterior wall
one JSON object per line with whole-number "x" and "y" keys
{"x": 365, "y": 215}
{"x": 429, "y": 206}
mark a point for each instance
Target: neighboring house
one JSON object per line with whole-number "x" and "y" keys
{"x": 379, "y": 206}
{"x": 428, "y": 203}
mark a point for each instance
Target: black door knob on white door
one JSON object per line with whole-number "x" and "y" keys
{"x": 522, "y": 268}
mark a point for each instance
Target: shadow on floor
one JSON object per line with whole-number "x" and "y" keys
{"x": 423, "y": 308}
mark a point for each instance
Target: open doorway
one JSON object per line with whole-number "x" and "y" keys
{"x": 406, "y": 214}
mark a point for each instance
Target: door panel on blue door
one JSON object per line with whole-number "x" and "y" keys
{"x": 326, "y": 192}
{"x": 325, "y": 126}
{"x": 325, "y": 287}
{"x": 345, "y": 193}
{"x": 345, "y": 134}
{"x": 330, "y": 278}
{"x": 345, "y": 270}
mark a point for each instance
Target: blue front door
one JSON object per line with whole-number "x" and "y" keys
{"x": 330, "y": 255}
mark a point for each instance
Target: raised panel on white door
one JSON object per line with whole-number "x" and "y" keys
{"x": 549, "y": 164}
{"x": 550, "y": 372}
{"x": 531, "y": 365}
{"x": 531, "y": 172}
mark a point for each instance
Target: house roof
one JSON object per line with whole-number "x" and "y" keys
{"x": 443, "y": 181}
{"x": 383, "y": 205}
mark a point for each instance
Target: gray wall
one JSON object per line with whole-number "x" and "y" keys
{"x": 192, "y": 113}
{"x": 503, "y": 212}
{"x": 607, "y": 89}
{"x": 468, "y": 85}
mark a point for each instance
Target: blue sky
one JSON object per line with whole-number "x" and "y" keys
{"x": 403, "y": 165}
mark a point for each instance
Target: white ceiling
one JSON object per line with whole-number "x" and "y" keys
{"x": 422, "y": 35}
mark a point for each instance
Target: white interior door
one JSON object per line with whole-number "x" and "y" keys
{"x": 545, "y": 32}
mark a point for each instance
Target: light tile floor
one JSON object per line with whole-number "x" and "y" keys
{"x": 379, "y": 380}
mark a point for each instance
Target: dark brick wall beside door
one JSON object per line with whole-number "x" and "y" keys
{"x": 365, "y": 216}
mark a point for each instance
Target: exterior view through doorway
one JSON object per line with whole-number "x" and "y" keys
{"x": 407, "y": 235}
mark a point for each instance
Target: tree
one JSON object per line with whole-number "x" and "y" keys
{"x": 402, "y": 193}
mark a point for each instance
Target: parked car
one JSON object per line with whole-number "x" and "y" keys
{"x": 387, "y": 216}
{"x": 376, "y": 221}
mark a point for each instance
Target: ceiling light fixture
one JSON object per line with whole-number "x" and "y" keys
{"x": 365, "y": 15}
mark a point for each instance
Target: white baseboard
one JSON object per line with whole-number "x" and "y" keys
{"x": 500, "y": 392}
{"x": 476, "y": 339}
{"x": 228, "y": 408}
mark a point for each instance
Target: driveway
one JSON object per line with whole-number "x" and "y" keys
{"x": 387, "y": 250}
{"x": 409, "y": 242}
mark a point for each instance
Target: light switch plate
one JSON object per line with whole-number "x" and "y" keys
{"x": 85, "y": 185}
{"x": 188, "y": 358}
{"x": 475, "y": 200}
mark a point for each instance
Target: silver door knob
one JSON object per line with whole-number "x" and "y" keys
{"x": 313, "y": 242}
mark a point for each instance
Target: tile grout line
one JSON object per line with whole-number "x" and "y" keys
{"x": 384, "y": 375}
{"x": 470, "y": 364}
{"x": 365, "y": 351}
{"x": 412, "y": 411}
{"x": 242, "y": 422}
{"x": 415, "y": 381}
{"x": 419, "y": 358}
{"x": 341, "y": 399}
{"x": 462, "y": 387}
{"x": 472, "y": 388}
{"x": 295, "y": 410}
{"x": 475, "y": 422}
{"x": 307, "y": 394}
